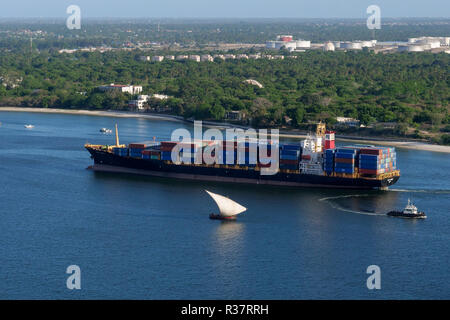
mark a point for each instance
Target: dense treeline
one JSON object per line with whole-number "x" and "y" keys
{"x": 409, "y": 89}
{"x": 116, "y": 33}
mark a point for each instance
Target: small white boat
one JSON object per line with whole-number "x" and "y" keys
{"x": 228, "y": 209}
{"x": 105, "y": 130}
{"x": 29, "y": 126}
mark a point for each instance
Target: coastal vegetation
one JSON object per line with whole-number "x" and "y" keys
{"x": 403, "y": 94}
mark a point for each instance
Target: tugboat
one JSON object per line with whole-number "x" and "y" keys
{"x": 410, "y": 211}
{"x": 228, "y": 208}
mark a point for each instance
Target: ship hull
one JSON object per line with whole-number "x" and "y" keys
{"x": 107, "y": 162}
{"x": 400, "y": 214}
{"x": 213, "y": 216}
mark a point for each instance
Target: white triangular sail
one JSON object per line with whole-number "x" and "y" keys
{"x": 227, "y": 207}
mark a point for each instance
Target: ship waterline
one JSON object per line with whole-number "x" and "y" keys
{"x": 105, "y": 161}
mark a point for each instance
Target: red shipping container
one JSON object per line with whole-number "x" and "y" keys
{"x": 342, "y": 160}
{"x": 368, "y": 171}
{"x": 137, "y": 146}
{"x": 293, "y": 162}
{"x": 373, "y": 151}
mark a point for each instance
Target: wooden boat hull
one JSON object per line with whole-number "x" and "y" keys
{"x": 213, "y": 216}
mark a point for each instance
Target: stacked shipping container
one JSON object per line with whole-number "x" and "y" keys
{"x": 289, "y": 156}
{"x": 377, "y": 160}
{"x": 136, "y": 149}
{"x": 244, "y": 153}
{"x": 368, "y": 160}
{"x": 344, "y": 160}
{"x": 328, "y": 163}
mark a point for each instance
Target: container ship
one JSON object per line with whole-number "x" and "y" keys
{"x": 315, "y": 162}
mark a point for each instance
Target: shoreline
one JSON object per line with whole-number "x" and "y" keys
{"x": 414, "y": 145}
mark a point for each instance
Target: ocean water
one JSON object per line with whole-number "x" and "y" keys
{"x": 150, "y": 238}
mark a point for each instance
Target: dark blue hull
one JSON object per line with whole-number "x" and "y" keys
{"x": 108, "y": 162}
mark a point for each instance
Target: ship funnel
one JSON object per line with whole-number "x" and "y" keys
{"x": 117, "y": 136}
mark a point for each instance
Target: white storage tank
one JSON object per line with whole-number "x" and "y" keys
{"x": 366, "y": 44}
{"x": 270, "y": 44}
{"x": 416, "y": 48}
{"x": 329, "y": 46}
{"x": 303, "y": 44}
{"x": 279, "y": 44}
{"x": 351, "y": 45}
{"x": 290, "y": 45}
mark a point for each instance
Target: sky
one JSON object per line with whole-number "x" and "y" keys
{"x": 225, "y": 8}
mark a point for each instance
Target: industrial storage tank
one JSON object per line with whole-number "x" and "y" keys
{"x": 351, "y": 45}
{"x": 270, "y": 44}
{"x": 279, "y": 44}
{"x": 303, "y": 44}
{"x": 337, "y": 44}
{"x": 285, "y": 38}
{"x": 329, "y": 46}
{"x": 416, "y": 48}
{"x": 366, "y": 44}
{"x": 431, "y": 42}
{"x": 290, "y": 45}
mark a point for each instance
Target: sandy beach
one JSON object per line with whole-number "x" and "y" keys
{"x": 121, "y": 114}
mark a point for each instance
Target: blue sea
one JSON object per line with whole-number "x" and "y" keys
{"x": 150, "y": 238}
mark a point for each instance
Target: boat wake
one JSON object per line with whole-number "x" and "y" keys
{"x": 436, "y": 191}
{"x": 334, "y": 205}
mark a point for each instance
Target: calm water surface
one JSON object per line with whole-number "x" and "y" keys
{"x": 150, "y": 238}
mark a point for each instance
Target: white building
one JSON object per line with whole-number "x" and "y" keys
{"x": 169, "y": 57}
{"x": 254, "y": 83}
{"x": 348, "y": 121}
{"x": 229, "y": 56}
{"x": 182, "y": 57}
{"x": 139, "y": 103}
{"x": 157, "y": 58}
{"x": 206, "y": 58}
{"x": 160, "y": 96}
{"x": 144, "y": 58}
{"x": 122, "y": 88}
{"x": 194, "y": 57}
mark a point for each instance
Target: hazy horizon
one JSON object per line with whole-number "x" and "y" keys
{"x": 231, "y": 9}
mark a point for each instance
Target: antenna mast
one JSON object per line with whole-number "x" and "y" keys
{"x": 117, "y": 136}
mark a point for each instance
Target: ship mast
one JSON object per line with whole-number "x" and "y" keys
{"x": 117, "y": 136}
